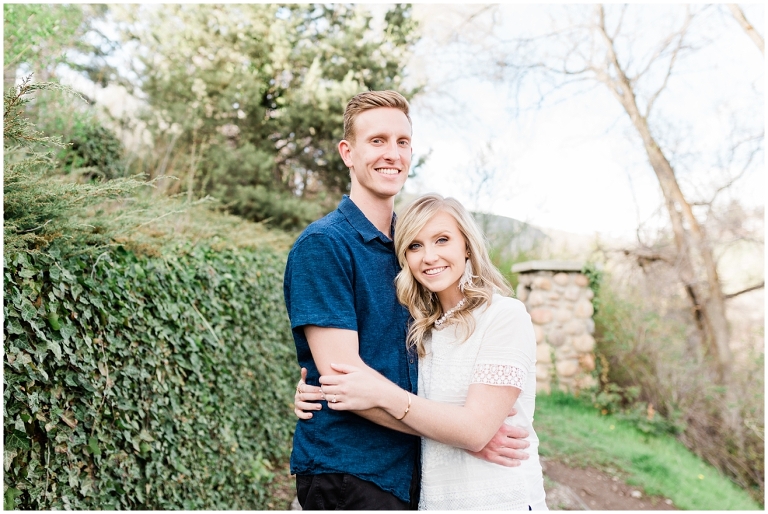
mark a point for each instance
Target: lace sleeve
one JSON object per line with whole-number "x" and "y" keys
{"x": 508, "y": 347}
{"x": 499, "y": 374}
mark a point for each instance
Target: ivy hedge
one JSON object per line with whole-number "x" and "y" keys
{"x": 135, "y": 382}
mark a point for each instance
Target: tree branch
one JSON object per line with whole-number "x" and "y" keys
{"x": 680, "y": 37}
{"x": 741, "y": 173}
{"x": 738, "y": 15}
{"x": 747, "y": 290}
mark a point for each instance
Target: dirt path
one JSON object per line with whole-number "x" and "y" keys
{"x": 567, "y": 489}
{"x": 589, "y": 489}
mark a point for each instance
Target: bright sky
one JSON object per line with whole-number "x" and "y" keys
{"x": 577, "y": 166}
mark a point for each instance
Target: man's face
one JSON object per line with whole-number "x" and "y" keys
{"x": 380, "y": 156}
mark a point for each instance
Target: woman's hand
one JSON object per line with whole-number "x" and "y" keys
{"x": 304, "y": 401}
{"x": 354, "y": 389}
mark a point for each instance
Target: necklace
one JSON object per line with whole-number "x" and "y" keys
{"x": 450, "y": 312}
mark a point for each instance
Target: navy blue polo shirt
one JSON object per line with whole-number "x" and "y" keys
{"x": 340, "y": 274}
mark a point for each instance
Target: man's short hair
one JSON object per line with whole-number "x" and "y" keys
{"x": 371, "y": 100}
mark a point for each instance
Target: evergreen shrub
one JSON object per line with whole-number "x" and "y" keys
{"x": 136, "y": 382}
{"x": 96, "y": 149}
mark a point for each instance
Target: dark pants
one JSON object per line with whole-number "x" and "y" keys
{"x": 340, "y": 491}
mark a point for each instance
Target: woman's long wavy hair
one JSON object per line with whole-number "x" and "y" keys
{"x": 420, "y": 301}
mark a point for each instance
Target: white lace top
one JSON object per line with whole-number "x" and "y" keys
{"x": 500, "y": 351}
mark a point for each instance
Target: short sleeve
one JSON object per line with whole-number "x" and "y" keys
{"x": 318, "y": 284}
{"x": 508, "y": 346}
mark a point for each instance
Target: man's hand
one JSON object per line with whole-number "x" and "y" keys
{"x": 304, "y": 401}
{"x": 506, "y": 446}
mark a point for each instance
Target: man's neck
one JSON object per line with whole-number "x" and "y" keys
{"x": 377, "y": 210}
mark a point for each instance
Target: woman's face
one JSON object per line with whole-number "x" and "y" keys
{"x": 437, "y": 257}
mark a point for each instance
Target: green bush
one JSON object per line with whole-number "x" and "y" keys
{"x": 39, "y": 208}
{"x": 145, "y": 383}
{"x": 652, "y": 375}
{"x": 94, "y": 149}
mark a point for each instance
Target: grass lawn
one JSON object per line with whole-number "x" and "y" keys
{"x": 577, "y": 435}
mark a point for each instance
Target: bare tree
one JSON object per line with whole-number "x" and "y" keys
{"x": 695, "y": 260}
{"x": 595, "y": 50}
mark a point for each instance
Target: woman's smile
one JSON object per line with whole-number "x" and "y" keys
{"x": 437, "y": 257}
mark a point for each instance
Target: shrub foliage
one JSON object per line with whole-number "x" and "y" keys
{"x": 145, "y": 383}
{"x": 652, "y": 375}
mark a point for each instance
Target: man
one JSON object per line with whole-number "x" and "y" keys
{"x": 340, "y": 295}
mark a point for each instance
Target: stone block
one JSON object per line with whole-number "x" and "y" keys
{"x": 543, "y": 353}
{"x": 584, "y": 343}
{"x": 587, "y": 362}
{"x": 583, "y": 309}
{"x": 541, "y": 316}
{"x": 539, "y": 333}
{"x": 567, "y": 368}
{"x": 590, "y": 323}
{"x": 542, "y": 371}
{"x": 565, "y": 352}
{"x": 575, "y": 327}
{"x": 580, "y": 280}
{"x": 572, "y": 293}
{"x": 556, "y": 338}
{"x": 536, "y": 298}
{"x": 525, "y": 279}
{"x": 584, "y": 382}
{"x": 522, "y": 292}
{"x": 561, "y": 279}
{"x": 563, "y": 315}
{"x": 589, "y": 294}
{"x": 543, "y": 283}
{"x": 543, "y": 386}
{"x": 553, "y": 296}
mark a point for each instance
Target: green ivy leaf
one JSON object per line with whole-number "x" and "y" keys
{"x": 28, "y": 310}
{"x": 76, "y": 290}
{"x": 9, "y": 502}
{"x": 67, "y": 330}
{"x": 53, "y": 321}
{"x": 13, "y": 326}
{"x": 93, "y": 445}
{"x": 27, "y": 273}
{"x": 55, "y": 348}
{"x": 8, "y": 456}
{"x": 17, "y": 440}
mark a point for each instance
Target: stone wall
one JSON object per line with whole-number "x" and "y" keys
{"x": 559, "y": 300}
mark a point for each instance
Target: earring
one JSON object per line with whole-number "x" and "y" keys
{"x": 466, "y": 277}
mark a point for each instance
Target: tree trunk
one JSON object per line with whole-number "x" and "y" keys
{"x": 696, "y": 265}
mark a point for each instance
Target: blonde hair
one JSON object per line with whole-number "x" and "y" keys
{"x": 424, "y": 307}
{"x": 371, "y": 100}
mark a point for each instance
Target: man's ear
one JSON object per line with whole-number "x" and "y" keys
{"x": 345, "y": 150}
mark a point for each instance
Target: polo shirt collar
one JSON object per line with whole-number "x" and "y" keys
{"x": 362, "y": 224}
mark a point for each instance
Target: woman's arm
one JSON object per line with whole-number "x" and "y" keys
{"x": 470, "y": 426}
{"x": 506, "y": 447}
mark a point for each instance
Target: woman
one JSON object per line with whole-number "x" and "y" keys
{"x": 476, "y": 361}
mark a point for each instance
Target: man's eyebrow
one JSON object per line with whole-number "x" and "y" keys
{"x": 385, "y": 135}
